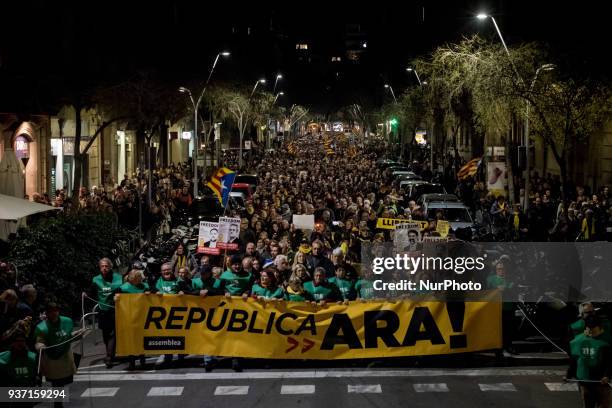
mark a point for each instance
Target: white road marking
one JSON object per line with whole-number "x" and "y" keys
{"x": 562, "y": 386}
{"x": 165, "y": 391}
{"x": 100, "y": 392}
{"x": 497, "y": 387}
{"x": 297, "y": 389}
{"x": 439, "y": 387}
{"x": 364, "y": 389}
{"x": 265, "y": 375}
{"x": 232, "y": 390}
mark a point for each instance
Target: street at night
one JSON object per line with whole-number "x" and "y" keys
{"x": 326, "y": 205}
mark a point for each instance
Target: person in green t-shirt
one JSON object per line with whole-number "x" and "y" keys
{"x": 167, "y": 283}
{"x": 591, "y": 364}
{"x": 267, "y": 288}
{"x": 18, "y": 364}
{"x": 320, "y": 289}
{"x": 236, "y": 281}
{"x": 53, "y": 337}
{"x": 344, "y": 285}
{"x": 295, "y": 291}
{"x": 134, "y": 284}
{"x": 206, "y": 284}
{"x": 104, "y": 287}
{"x": 365, "y": 286}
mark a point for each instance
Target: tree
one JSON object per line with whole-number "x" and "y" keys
{"x": 294, "y": 114}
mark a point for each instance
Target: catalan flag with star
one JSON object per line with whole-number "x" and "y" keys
{"x": 469, "y": 169}
{"x": 221, "y": 184}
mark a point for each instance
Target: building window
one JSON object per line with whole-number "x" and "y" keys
{"x": 336, "y": 59}
{"x": 301, "y": 46}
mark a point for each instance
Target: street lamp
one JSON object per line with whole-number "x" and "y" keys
{"x": 277, "y": 95}
{"x": 545, "y": 67}
{"x": 483, "y": 16}
{"x": 278, "y": 76}
{"x": 390, "y": 88}
{"x": 196, "y": 105}
{"x": 259, "y": 81}
{"x": 417, "y": 75}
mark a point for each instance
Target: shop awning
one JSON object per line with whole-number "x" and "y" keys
{"x": 12, "y": 208}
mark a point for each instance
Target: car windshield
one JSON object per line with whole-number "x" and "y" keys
{"x": 452, "y": 214}
{"x": 427, "y": 189}
{"x": 206, "y": 206}
{"x": 245, "y": 178}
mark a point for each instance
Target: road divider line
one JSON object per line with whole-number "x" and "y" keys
{"x": 110, "y": 376}
{"x": 297, "y": 389}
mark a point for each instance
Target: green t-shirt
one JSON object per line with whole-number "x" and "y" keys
{"x": 365, "y": 289}
{"x": 52, "y": 334}
{"x": 578, "y": 328}
{"x": 494, "y": 282}
{"x": 260, "y": 291}
{"x": 346, "y": 288}
{"x": 168, "y": 287}
{"x": 321, "y": 292}
{"x": 106, "y": 290}
{"x": 127, "y": 287}
{"x": 211, "y": 284}
{"x": 235, "y": 284}
{"x": 588, "y": 352}
{"x": 17, "y": 371}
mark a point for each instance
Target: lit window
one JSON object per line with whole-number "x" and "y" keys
{"x": 336, "y": 59}
{"x": 301, "y": 46}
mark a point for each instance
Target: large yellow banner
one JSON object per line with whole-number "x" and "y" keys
{"x": 233, "y": 327}
{"x": 390, "y": 223}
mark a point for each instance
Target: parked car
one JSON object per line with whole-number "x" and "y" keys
{"x": 251, "y": 179}
{"x": 247, "y": 189}
{"x": 453, "y": 210}
{"x": 401, "y": 173}
{"x": 414, "y": 189}
{"x": 239, "y": 199}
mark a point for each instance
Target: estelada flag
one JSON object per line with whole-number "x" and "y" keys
{"x": 469, "y": 169}
{"x": 221, "y": 184}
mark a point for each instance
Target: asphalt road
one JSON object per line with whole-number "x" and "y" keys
{"x": 361, "y": 387}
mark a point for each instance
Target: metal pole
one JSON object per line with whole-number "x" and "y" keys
{"x": 195, "y": 150}
{"x": 527, "y": 175}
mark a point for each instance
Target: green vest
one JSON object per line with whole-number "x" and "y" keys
{"x": 168, "y": 287}
{"x": 321, "y": 292}
{"x": 588, "y": 354}
{"x": 127, "y": 287}
{"x": 212, "y": 285}
{"x": 54, "y": 334}
{"x": 346, "y": 288}
{"x": 235, "y": 284}
{"x": 106, "y": 290}
{"x": 260, "y": 291}
{"x": 365, "y": 289}
{"x": 494, "y": 281}
{"x": 17, "y": 371}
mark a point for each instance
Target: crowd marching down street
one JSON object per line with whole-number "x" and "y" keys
{"x": 348, "y": 188}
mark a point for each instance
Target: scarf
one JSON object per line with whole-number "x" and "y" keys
{"x": 585, "y": 228}
{"x": 516, "y": 221}
{"x": 181, "y": 261}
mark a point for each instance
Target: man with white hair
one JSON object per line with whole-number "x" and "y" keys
{"x": 337, "y": 258}
{"x": 282, "y": 265}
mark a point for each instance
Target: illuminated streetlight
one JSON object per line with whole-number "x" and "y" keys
{"x": 415, "y": 73}
{"x": 278, "y": 76}
{"x": 390, "y": 88}
{"x": 196, "y": 105}
{"x": 259, "y": 81}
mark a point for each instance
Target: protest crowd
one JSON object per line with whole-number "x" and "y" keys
{"x": 345, "y": 191}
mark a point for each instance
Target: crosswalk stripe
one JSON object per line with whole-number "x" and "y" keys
{"x": 297, "y": 389}
{"x": 438, "y": 387}
{"x": 165, "y": 391}
{"x": 100, "y": 392}
{"x": 232, "y": 390}
{"x": 497, "y": 387}
{"x": 562, "y": 386}
{"x": 364, "y": 389}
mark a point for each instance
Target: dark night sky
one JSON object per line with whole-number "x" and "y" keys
{"x": 107, "y": 41}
